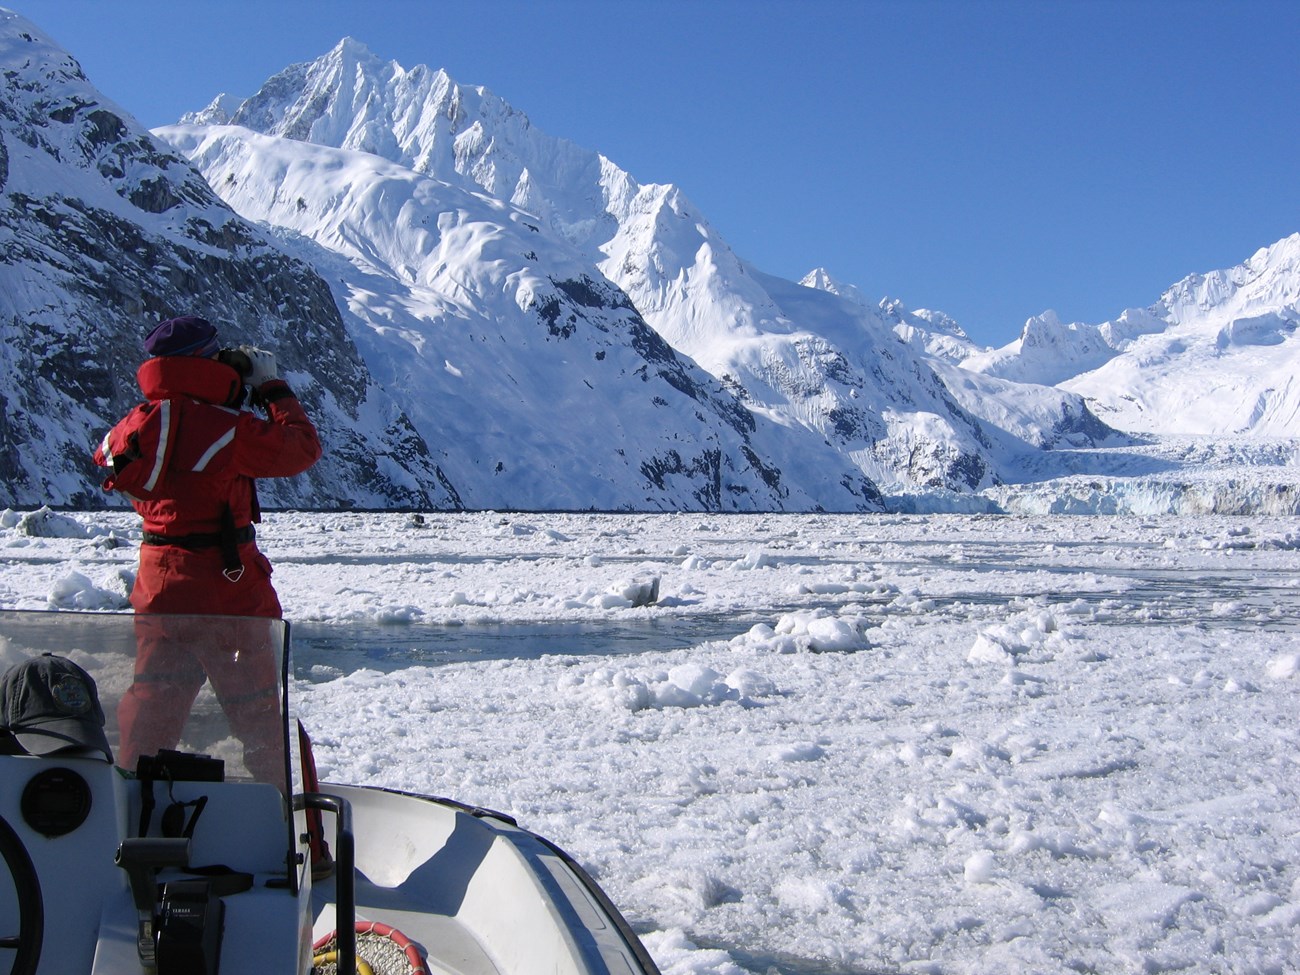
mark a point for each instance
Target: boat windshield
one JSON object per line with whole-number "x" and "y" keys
{"x": 211, "y": 685}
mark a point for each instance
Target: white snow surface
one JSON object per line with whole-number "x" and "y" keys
{"x": 951, "y": 744}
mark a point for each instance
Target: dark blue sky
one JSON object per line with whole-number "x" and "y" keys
{"x": 991, "y": 159}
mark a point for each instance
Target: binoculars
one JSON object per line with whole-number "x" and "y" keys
{"x": 237, "y": 359}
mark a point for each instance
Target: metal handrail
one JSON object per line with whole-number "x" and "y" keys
{"x": 345, "y": 878}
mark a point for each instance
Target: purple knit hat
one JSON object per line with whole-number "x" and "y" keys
{"x": 186, "y": 335}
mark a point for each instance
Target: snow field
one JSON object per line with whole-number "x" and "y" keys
{"x": 951, "y": 744}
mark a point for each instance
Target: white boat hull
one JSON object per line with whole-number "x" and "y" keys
{"x": 482, "y": 895}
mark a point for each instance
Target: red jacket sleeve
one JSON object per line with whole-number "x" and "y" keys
{"x": 280, "y": 446}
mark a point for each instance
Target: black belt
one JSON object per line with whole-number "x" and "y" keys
{"x": 200, "y": 539}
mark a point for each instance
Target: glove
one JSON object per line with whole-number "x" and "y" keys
{"x": 263, "y": 365}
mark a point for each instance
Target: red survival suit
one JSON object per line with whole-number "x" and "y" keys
{"x": 194, "y": 489}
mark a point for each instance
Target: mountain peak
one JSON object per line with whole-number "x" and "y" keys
{"x": 1269, "y": 279}
{"x": 219, "y": 111}
{"x": 351, "y": 47}
{"x": 821, "y": 280}
{"x": 1041, "y": 324}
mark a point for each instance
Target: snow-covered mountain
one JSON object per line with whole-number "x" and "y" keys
{"x": 931, "y": 331}
{"x": 562, "y": 396}
{"x": 1031, "y": 412}
{"x": 105, "y": 231}
{"x": 479, "y": 314}
{"x": 809, "y": 361}
{"x": 535, "y": 377}
{"x": 1217, "y": 355}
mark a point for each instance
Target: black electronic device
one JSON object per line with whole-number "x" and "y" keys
{"x": 189, "y": 929}
{"x": 175, "y": 766}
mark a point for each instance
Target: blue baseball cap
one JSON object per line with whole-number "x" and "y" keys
{"x": 50, "y": 705}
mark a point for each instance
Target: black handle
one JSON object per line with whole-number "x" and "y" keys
{"x": 345, "y": 880}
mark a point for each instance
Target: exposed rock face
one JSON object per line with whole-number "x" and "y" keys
{"x": 105, "y": 232}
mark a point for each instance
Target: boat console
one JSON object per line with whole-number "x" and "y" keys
{"x": 184, "y": 859}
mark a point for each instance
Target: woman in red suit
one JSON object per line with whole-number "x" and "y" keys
{"x": 188, "y": 458}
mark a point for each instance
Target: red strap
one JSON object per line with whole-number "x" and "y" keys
{"x": 320, "y": 850}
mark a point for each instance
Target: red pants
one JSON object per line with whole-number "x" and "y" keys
{"x": 174, "y": 580}
{"x": 185, "y": 634}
